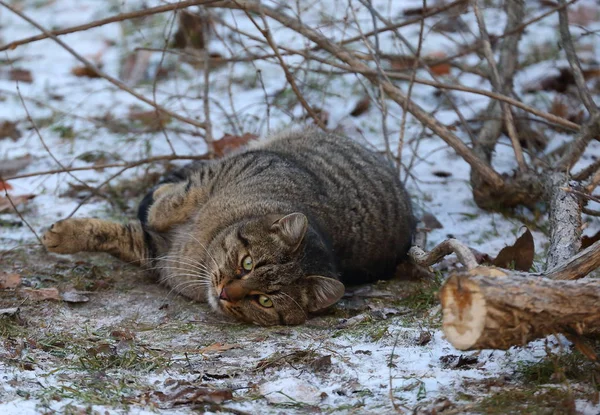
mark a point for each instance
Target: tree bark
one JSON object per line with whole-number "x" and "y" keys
{"x": 490, "y": 308}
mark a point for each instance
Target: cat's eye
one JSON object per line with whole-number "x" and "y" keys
{"x": 247, "y": 263}
{"x": 265, "y": 301}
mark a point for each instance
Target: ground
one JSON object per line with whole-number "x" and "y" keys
{"x": 110, "y": 339}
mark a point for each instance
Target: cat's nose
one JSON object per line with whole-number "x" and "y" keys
{"x": 223, "y": 295}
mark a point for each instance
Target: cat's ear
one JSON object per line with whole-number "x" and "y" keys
{"x": 291, "y": 228}
{"x": 323, "y": 292}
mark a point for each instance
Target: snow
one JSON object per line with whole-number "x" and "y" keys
{"x": 57, "y": 100}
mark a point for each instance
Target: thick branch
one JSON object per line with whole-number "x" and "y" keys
{"x": 565, "y": 221}
{"x": 490, "y": 309}
{"x": 577, "y": 266}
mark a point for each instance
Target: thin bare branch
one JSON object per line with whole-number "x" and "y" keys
{"x": 102, "y": 22}
{"x": 486, "y": 172}
{"x": 499, "y": 84}
{"x": 99, "y": 72}
{"x": 569, "y": 48}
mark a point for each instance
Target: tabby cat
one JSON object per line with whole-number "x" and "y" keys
{"x": 269, "y": 234}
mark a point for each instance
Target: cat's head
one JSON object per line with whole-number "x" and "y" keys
{"x": 271, "y": 270}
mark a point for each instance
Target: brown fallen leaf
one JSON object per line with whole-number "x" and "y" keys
{"x": 8, "y": 129}
{"x": 85, "y": 72}
{"x": 520, "y": 255}
{"x": 40, "y": 294}
{"x": 587, "y": 241}
{"x": 430, "y": 221}
{"x": 440, "y": 68}
{"x": 231, "y": 142}
{"x": 22, "y": 75}
{"x": 361, "y": 106}
{"x": 191, "y": 31}
{"x": 186, "y": 393}
{"x": 5, "y": 185}
{"x": 404, "y": 62}
{"x": 217, "y": 347}
{"x": 6, "y": 206}
{"x": 9, "y": 280}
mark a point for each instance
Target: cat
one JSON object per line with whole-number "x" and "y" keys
{"x": 268, "y": 234}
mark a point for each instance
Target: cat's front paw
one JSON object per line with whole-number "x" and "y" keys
{"x": 64, "y": 237}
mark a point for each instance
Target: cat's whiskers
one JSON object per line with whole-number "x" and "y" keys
{"x": 295, "y": 302}
{"x": 205, "y": 250}
{"x": 186, "y": 261}
{"x": 171, "y": 267}
{"x": 187, "y": 284}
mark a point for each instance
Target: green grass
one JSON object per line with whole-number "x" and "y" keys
{"x": 530, "y": 401}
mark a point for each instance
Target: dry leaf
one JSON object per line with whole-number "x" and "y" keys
{"x": 9, "y": 281}
{"x": 231, "y": 142}
{"x": 5, "y": 186}
{"x": 361, "y": 106}
{"x": 6, "y": 206}
{"x": 186, "y": 393}
{"x": 190, "y": 33}
{"x": 430, "y": 221}
{"x": 587, "y": 241}
{"x": 217, "y": 347}
{"x": 520, "y": 255}
{"x": 9, "y": 129}
{"x": 21, "y": 75}
{"x": 40, "y": 294}
{"x": 440, "y": 68}
{"x": 85, "y": 71}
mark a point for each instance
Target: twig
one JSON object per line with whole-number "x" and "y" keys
{"x": 206, "y": 95}
{"x": 109, "y": 165}
{"x": 569, "y": 48}
{"x": 498, "y": 84}
{"x": 266, "y": 32}
{"x": 37, "y": 132}
{"x": 575, "y": 149}
{"x": 449, "y": 246}
{"x": 581, "y": 194}
{"x": 96, "y": 70}
{"x": 587, "y": 172}
{"x": 108, "y": 20}
{"x": 159, "y": 122}
{"x": 488, "y": 174}
{"x": 19, "y": 213}
{"x": 410, "y": 88}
